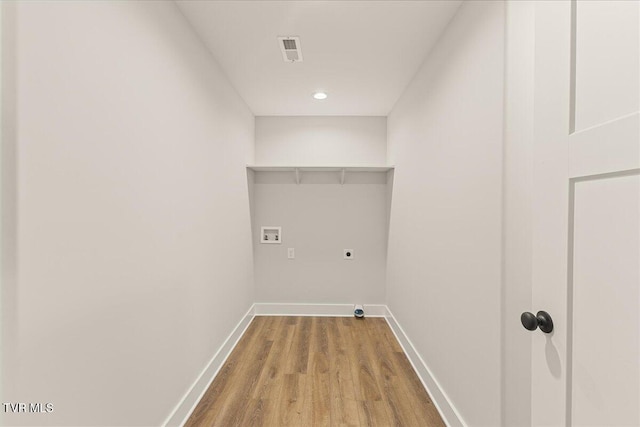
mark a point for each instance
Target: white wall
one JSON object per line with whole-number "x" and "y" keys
{"x": 322, "y": 140}
{"x": 320, "y": 218}
{"x": 444, "y": 260}
{"x": 134, "y": 247}
{"x": 517, "y": 211}
{"x": 8, "y": 212}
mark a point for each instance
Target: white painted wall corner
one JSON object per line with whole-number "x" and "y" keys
{"x": 445, "y": 406}
{"x": 184, "y": 408}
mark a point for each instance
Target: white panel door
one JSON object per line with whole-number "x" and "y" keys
{"x": 586, "y": 213}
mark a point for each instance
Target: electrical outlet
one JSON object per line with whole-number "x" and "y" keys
{"x": 348, "y": 253}
{"x": 291, "y": 253}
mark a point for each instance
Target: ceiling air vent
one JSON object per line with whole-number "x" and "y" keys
{"x": 290, "y": 48}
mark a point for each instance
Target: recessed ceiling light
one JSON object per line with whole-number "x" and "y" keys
{"x": 320, "y": 95}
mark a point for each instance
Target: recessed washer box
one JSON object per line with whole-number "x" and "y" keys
{"x": 270, "y": 234}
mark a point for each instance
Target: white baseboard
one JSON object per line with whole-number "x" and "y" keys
{"x": 187, "y": 404}
{"x": 294, "y": 309}
{"x": 442, "y": 402}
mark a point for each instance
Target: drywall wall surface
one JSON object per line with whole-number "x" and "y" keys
{"x": 517, "y": 211}
{"x": 319, "y": 219}
{"x": 8, "y": 211}
{"x": 134, "y": 246}
{"x": 321, "y": 140}
{"x": 444, "y": 258}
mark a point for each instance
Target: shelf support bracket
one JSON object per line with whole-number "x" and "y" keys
{"x": 342, "y": 177}
{"x": 297, "y": 176}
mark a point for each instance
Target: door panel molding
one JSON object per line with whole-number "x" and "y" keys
{"x": 572, "y": 66}
{"x": 608, "y": 147}
{"x": 584, "y": 134}
{"x": 570, "y": 277}
{"x": 603, "y": 62}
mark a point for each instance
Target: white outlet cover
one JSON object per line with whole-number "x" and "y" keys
{"x": 348, "y": 253}
{"x": 291, "y": 253}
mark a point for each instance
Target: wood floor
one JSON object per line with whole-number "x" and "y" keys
{"x": 316, "y": 371}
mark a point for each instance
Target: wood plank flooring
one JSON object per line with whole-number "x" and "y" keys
{"x": 316, "y": 371}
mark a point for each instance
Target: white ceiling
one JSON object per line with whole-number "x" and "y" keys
{"x": 362, "y": 53}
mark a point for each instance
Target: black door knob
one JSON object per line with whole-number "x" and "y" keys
{"x": 542, "y": 320}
